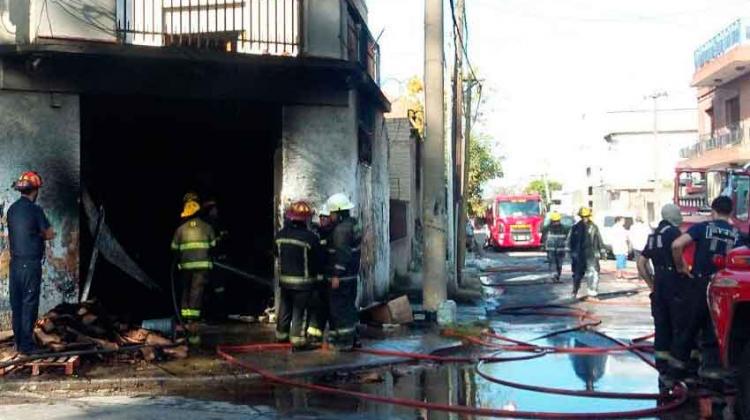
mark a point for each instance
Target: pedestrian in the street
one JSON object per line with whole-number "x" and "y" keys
{"x": 297, "y": 249}
{"x": 469, "y": 235}
{"x": 666, "y": 302}
{"x": 28, "y": 229}
{"x": 638, "y": 236}
{"x": 711, "y": 238}
{"x": 320, "y": 309}
{"x": 555, "y": 234}
{"x": 586, "y": 247}
{"x": 193, "y": 242}
{"x": 620, "y": 247}
{"x": 344, "y": 249}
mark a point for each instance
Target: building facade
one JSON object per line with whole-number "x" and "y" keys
{"x": 254, "y": 104}
{"x": 722, "y": 80}
{"x": 405, "y": 176}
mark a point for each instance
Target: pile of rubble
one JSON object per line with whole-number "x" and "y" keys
{"x": 86, "y": 326}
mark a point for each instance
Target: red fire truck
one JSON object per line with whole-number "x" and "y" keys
{"x": 696, "y": 188}
{"x": 515, "y": 221}
{"x": 729, "y": 301}
{"x": 729, "y": 292}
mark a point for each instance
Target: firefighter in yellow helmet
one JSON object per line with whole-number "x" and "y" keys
{"x": 586, "y": 249}
{"x": 193, "y": 242}
{"x": 555, "y": 233}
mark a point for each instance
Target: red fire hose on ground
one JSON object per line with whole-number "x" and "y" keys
{"x": 671, "y": 401}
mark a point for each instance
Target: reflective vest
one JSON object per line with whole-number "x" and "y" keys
{"x": 193, "y": 241}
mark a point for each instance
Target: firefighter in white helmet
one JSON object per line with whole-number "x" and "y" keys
{"x": 344, "y": 259}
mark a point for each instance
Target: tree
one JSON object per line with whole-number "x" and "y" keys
{"x": 537, "y": 186}
{"x": 483, "y": 167}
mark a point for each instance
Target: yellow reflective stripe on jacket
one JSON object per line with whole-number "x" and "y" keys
{"x": 188, "y": 246}
{"x": 174, "y": 246}
{"x": 286, "y": 241}
{"x": 196, "y": 265}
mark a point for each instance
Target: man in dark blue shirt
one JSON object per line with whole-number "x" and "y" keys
{"x": 666, "y": 305}
{"x": 28, "y": 228}
{"x": 712, "y": 238}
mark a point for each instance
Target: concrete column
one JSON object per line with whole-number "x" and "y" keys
{"x": 435, "y": 223}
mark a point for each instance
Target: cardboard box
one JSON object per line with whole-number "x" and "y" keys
{"x": 397, "y": 311}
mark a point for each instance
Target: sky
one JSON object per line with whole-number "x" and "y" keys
{"x": 552, "y": 68}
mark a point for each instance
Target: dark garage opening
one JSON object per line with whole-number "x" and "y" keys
{"x": 141, "y": 154}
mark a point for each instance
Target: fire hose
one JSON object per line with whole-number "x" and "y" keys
{"x": 668, "y": 401}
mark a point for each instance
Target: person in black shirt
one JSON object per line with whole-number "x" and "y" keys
{"x": 664, "y": 283}
{"x": 712, "y": 238}
{"x": 28, "y": 228}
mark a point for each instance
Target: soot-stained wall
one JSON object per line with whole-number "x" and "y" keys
{"x": 41, "y": 132}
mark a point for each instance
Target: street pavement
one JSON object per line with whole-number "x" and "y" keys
{"x": 505, "y": 279}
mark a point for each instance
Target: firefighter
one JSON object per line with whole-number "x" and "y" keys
{"x": 586, "y": 248}
{"x": 193, "y": 242}
{"x": 344, "y": 251}
{"x": 555, "y": 234}
{"x": 664, "y": 283}
{"x": 28, "y": 229}
{"x": 320, "y": 308}
{"x": 297, "y": 250}
{"x": 215, "y": 298}
{"x": 712, "y": 238}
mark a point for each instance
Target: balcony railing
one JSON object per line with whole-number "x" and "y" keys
{"x": 726, "y": 137}
{"x": 736, "y": 33}
{"x": 243, "y": 26}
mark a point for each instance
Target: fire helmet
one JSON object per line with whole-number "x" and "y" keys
{"x": 28, "y": 181}
{"x": 190, "y": 208}
{"x": 555, "y": 216}
{"x": 299, "y": 211}
{"x": 585, "y": 212}
{"x": 339, "y": 202}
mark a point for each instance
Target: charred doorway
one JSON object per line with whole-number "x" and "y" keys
{"x": 140, "y": 155}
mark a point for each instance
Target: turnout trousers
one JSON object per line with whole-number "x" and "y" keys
{"x": 290, "y": 324}
{"x": 698, "y": 326}
{"x": 343, "y": 313}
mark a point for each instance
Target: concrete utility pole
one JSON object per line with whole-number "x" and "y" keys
{"x": 459, "y": 145}
{"x": 435, "y": 282}
{"x": 655, "y": 98}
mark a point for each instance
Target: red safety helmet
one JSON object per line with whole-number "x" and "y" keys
{"x": 28, "y": 181}
{"x": 299, "y": 211}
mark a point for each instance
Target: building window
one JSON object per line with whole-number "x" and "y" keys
{"x": 741, "y": 191}
{"x": 365, "y": 130}
{"x": 733, "y": 112}
{"x": 591, "y": 191}
{"x": 710, "y": 120}
{"x": 588, "y": 171}
{"x": 398, "y": 214}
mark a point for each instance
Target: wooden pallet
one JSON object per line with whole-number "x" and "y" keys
{"x": 69, "y": 363}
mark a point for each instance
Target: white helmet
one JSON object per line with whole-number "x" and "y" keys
{"x": 339, "y": 202}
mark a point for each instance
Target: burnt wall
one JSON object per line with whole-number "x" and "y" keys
{"x": 41, "y": 131}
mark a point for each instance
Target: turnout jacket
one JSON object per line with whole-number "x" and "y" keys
{"x": 298, "y": 251}
{"x": 345, "y": 249}
{"x": 193, "y": 241}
